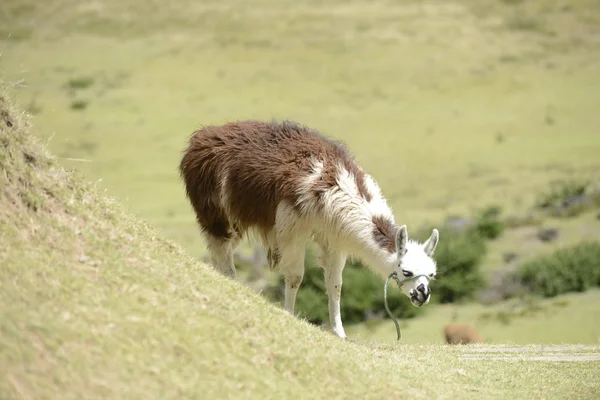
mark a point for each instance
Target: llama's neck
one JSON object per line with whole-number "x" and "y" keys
{"x": 363, "y": 225}
{"x": 377, "y": 258}
{"x": 362, "y": 239}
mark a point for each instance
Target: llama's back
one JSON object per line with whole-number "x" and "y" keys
{"x": 237, "y": 174}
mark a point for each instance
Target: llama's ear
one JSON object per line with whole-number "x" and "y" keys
{"x": 401, "y": 239}
{"x": 431, "y": 243}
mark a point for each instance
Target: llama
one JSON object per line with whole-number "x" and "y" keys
{"x": 461, "y": 334}
{"x": 287, "y": 184}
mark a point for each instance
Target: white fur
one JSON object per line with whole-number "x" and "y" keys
{"x": 305, "y": 200}
{"x": 342, "y": 226}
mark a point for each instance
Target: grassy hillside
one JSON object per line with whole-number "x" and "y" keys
{"x": 95, "y": 304}
{"x": 450, "y": 105}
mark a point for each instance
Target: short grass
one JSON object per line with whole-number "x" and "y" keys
{"x": 450, "y": 105}
{"x": 95, "y": 305}
{"x": 568, "y": 319}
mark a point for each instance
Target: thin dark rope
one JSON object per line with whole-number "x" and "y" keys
{"x": 385, "y": 302}
{"x": 394, "y": 276}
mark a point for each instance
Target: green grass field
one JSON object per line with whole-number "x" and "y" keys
{"x": 568, "y": 319}
{"x": 451, "y": 106}
{"x": 95, "y": 304}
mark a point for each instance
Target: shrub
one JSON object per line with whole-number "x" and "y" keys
{"x": 79, "y": 105}
{"x": 571, "y": 269}
{"x": 568, "y": 198}
{"x": 82, "y": 82}
{"x": 488, "y": 223}
{"x": 458, "y": 256}
{"x": 559, "y": 192}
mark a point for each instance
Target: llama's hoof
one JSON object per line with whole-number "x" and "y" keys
{"x": 341, "y": 334}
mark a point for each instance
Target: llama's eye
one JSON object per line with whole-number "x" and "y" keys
{"x": 407, "y": 274}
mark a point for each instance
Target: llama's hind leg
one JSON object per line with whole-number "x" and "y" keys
{"x": 291, "y": 266}
{"x": 288, "y": 252}
{"x": 221, "y": 255}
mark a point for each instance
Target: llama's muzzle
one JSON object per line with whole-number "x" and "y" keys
{"x": 421, "y": 295}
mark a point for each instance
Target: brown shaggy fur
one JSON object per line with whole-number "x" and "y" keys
{"x": 385, "y": 233}
{"x": 461, "y": 334}
{"x": 257, "y": 165}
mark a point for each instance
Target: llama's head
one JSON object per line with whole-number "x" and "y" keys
{"x": 415, "y": 266}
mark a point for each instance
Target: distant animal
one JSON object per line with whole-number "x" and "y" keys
{"x": 288, "y": 184}
{"x": 461, "y": 334}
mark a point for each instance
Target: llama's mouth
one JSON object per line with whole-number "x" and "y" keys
{"x": 418, "y": 299}
{"x": 415, "y": 301}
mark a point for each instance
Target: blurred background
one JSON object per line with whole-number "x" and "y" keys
{"x": 478, "y": 117}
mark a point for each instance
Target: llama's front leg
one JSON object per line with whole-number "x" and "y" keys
{"x": 333, "y": 263}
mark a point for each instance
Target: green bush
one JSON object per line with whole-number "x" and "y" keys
{"x": 569, "y": 198}
{"x": 82, "y": 82}
{"x": 458, "y": 256}
{"x": 571, "y": 269}
{"x": 79, "y": 105}
{"x": 560, "y": 192}
{"x": 488, "y": 223}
